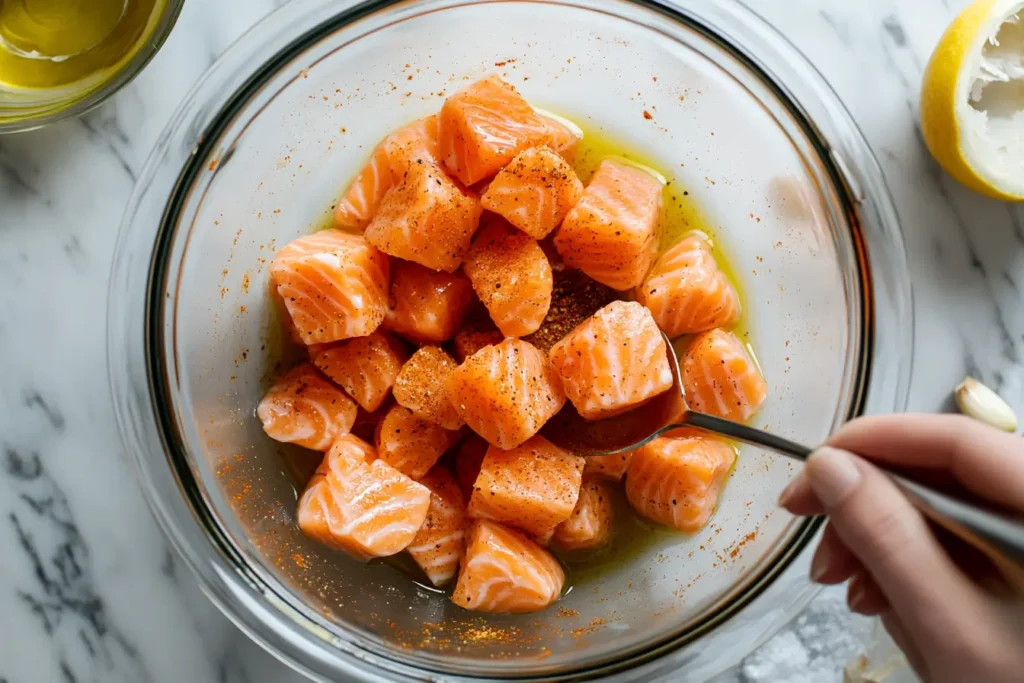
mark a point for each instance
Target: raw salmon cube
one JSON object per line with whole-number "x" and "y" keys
{"x": 389, "y": 162}
{"x": 590, "y": 524}
{"x": 468, "y": 458}
{"x": 409, "y": 444}
{"x": 613, "y": 362}
{"x": 609, "y": 466}
{"x": 334, "y": 285}
{"x": 721, "y": 378}
{"x": 425, "y": 218}
{"x": 426, "y": 306}
{"x": 354, "y": 450}
{"x": 677, "y": 481}
{"x": 504, "y": 571}
{"x": 612, "y": 232}
{"x": 312, "y": 350}
{"x": 511, "y": 276}
{"x": 303, "y": 408}
{"x": 349, "y": 451}
{"x": 484, "y": 126}
{"x": 564, "y": 136}
{"x": 506, "y": 392}
{"x": 365, "y": 367}
{"x": 477, "y": 332}
{"x": 292, "y": 333}
{"x": 422, "y": 387}
{"x": 534, "y": 192}
{"x": 361, "y": 505}
{"x": 533, "y": 487}
{"x": 441, "y": 540}
{"x": 687, "y": 293}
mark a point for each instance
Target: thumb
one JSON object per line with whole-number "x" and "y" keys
{"x": 893, "y": 542}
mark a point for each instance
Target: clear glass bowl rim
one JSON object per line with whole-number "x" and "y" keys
{"x": 132, "y": 356}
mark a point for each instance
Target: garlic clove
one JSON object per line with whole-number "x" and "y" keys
{"x": 976, "y": 400}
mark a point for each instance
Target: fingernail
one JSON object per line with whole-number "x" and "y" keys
{"x": 819, "y": 563}
{"x": 787, "y": 493}
{"x": 832, "y": 474}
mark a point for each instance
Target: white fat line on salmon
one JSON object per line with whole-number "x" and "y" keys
{"x": 653, "y": 172}
{"x": 573, "y": 128}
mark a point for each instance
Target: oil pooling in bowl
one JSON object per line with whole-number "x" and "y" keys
{"x": 61, "y": 45}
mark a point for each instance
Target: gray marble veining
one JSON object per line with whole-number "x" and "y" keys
{"x": 89, "y": 589}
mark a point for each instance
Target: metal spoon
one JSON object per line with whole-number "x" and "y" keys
{"x": 997, "y": 535}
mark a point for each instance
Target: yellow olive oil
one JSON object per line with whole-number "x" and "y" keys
{"x": 55, "y": 44}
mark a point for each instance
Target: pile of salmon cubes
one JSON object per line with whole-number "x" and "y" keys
{"x": 471, "y": 288}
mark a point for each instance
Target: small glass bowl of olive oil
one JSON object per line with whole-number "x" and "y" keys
{"x": 60, "y": 58}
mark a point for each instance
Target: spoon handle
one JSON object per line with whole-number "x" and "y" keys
{"x": 999, "y": 537}
{"x": 748, "y": 435}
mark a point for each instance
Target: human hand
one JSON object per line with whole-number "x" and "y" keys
{"x": 930, "y": 596}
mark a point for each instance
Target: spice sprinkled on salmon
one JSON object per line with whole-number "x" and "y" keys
{"x": 484, "y": 126}
{"x": 506, "y": 392}
{"x": 410, "y": 444}
{"x": 422, "y": 387}
{"x": 613, "y": 362}
{"x": 426, "y": 218}
{"x": 534, "y": 192}
{"x": 333, "y": 284}
{"x": 389, "y": 162}
{"x": 686, "y": 292}
{"x": 612, "y": 233}
{"x": 532, "y": 487}
{"x": 511, "y": 276}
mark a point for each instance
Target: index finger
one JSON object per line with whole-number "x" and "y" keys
{"x": 986, "y": 461}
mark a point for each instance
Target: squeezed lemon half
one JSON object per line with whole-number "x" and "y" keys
{"x": 972, "y": 99}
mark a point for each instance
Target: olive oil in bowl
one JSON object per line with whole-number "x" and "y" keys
{"x": 61, "y": 56}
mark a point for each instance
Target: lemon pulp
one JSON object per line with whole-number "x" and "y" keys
{"x": 47, "y": 44}
{"x": 972, "y": 99}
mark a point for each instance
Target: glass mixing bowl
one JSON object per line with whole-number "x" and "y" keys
{"x": 266, "y": 141}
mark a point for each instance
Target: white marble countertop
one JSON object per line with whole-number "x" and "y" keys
{"x": 90, "y": 590}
